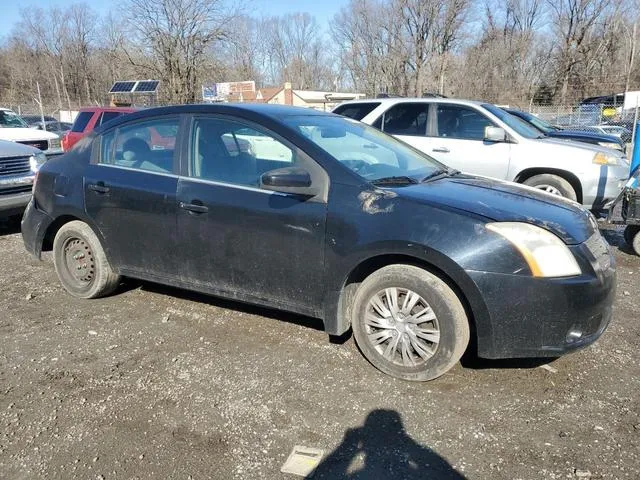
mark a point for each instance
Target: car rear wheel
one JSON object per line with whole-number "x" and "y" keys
{"x": 409, "y": 323}
{"x": 552, "y": 184}
{"x": 632, "y": 237}
{"x": 81, "y": 263}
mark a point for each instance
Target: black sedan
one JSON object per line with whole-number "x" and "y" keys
{"x": 325, "y": 216}
{"x": 584, "y": 135}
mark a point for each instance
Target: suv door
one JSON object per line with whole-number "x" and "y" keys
{"x": 240, "y": 239}
{"x": 408, "y": 122}
{"x": 130, "y": 193}
{"x": 456, "y": 138}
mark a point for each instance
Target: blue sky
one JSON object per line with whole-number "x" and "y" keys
{"x": 323, "y": 10}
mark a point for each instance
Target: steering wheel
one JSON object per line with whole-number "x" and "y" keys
{"x": 359, "y": 162}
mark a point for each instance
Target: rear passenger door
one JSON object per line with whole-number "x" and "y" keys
{"x": 456, "y": 138}
{"x": 130, "y": 193}
{"x": 408, "y": 122}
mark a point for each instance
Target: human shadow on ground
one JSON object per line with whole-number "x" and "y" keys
{"x": 382, "y": 449}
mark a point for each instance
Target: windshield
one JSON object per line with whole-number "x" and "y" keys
{"x": 373, "y": 155}
{"x": 9, "y": 119}
{"x": 517, "y": 124}
{"x": 542, "y": 125}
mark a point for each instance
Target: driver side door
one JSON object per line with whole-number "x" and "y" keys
{"x": 238, "y": 238}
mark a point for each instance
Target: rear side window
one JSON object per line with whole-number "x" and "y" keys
{"x": 141, "y": 145}
{"x": 81, "y": 122}
{"x": 357, "y": 111}
{"x": 406, "y": 119}
{"x": 108, "y": 116}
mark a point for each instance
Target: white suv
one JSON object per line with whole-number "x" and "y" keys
{"x": 15, "y": 129}
{"x": 482, "y": 139}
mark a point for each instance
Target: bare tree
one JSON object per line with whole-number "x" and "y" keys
{"x": 174, "y": 36}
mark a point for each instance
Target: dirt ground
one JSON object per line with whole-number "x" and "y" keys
{"x": 160, "y": 383}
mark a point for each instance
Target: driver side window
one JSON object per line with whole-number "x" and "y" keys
{"x": 146, "y": 145}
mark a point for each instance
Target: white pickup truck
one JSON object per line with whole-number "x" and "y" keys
{"x": 15, "y": 129}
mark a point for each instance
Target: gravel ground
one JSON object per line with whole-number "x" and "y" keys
{"x": 156, "y": 382}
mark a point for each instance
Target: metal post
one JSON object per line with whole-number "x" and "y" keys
{"x": 44, "y": 126}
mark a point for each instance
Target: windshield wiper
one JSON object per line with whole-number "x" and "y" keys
{"x": 438, "y": 174}
{"x": 398, "y": 180}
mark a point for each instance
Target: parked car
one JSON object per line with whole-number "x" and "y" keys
{"x": 88, "y": 119}
{"x": 18, "y": 167}
{"x": 619, "y": 131}
{"x": 351, "y": 226}
{"x": 15, "y": 129}
{"x": 483, "y": 139}
{"x": 34, "y": 121}
{"x": 59, "y": 128}
{"x": 585, "y": 136}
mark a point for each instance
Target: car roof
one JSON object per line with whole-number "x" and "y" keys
{"x": 395, "y": 100}
{"x": 109, "y": 109}
{"x": 272, "y": 111}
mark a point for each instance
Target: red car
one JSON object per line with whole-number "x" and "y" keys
{"x": 90, "y": 118}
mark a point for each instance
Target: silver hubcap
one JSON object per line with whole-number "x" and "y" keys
{"x": 549, "y": 189}
{"x": 402, "y": 327}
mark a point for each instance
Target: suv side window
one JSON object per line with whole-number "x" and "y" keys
{"x": 406, "y": 119}
{"x": 233, "y": 152}
{"x": 108, "y": 116}
{"x": 357, "y": 111}
{"x": 81, "y": 122}
{"x": 458, "y": 121}
{"x": 147, "y": 145}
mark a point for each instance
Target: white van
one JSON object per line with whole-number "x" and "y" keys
{"x": 482, "y": 139}
{"x": 15, "y": 129}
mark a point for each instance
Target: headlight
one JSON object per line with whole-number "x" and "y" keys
{"x": 605, "y": 159}
{"x": 615, "y": 146}
{"x": 36, "y": 161}
{"x": 54, "y": 143}
{"x": 545, "y": 253}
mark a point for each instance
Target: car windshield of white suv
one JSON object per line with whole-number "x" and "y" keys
{"x": 9, "y": 119}
{"x": 375, "y": 156}
{"x": 520, "y": 126}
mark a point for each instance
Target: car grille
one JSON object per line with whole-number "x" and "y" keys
{"x": 13, "y": 190}
{"x": 41, "y": 144}
{"x": 14, "y": 166}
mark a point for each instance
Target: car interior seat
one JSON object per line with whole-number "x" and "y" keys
{"x": 217, "y": 164}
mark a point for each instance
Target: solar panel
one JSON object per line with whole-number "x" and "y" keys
{"x": 122, "y": 87}
{"x": 146, "y": 86}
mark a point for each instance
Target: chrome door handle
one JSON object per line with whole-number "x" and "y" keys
{"x": 194, "y": 207}
{"x": 441, "y": 150}
{"x": 98, "y": 188}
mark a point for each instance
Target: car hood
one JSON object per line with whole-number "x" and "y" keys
{"x": 587, "y": 149}
{"x": 13, "y": 149}
{"x": 505, "y": 202}
{"x": 25, "y": 134}
{"x": 580, "y": 134}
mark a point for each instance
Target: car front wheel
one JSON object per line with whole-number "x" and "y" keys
{"x": 409, "y": 323}
{"x": 552, "y": 184}
{"x": 81, "y": 263}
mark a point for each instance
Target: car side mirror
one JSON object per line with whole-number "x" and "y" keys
{"x": 495, "y": 134}
{"x": 288, "y": 180}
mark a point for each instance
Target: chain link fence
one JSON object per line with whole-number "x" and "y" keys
{"x": 607, "y": 119}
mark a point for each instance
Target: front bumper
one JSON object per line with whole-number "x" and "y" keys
{"x": 603, "y": 186}
{"x": 15, "y": 193}
{"x": 538, "y": 317}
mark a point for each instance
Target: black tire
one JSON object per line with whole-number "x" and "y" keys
{"x": 452, "y": 322}
{"x": 562, "y": 186}
{"x": 81, "y": 263}
{"x": 632, "y": 237}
